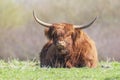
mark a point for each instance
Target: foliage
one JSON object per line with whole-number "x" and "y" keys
{"x": 11, "y": 14}
{"x": 21, "y": 70}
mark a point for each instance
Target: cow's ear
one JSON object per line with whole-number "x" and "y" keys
{"x": 74, "y": 35}
{"x": 47, "y": 33}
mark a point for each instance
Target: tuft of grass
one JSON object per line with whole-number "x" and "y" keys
{"x": 28, "y": 70}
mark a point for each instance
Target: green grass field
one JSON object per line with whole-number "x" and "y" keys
{"x": 28, "y": 70}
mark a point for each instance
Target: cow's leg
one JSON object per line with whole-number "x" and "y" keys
{"x": 90, "y": 63}
{"x": 93, "y": 64}
{"x": 68, "y": 64}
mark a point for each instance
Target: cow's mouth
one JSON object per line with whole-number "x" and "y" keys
{"x": 62, "y": 50}
{"x": 60, "y": 47}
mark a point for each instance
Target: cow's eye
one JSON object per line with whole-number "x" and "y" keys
{"x": 67, "y": 34}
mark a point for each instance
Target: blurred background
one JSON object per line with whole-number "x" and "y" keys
{"x": 22, "y": 38}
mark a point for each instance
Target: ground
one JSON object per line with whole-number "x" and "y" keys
{"x": 30, "y": 70}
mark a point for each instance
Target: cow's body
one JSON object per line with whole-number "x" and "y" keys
{"x": 68, "y": 46}
{"x": 80, "y": 52}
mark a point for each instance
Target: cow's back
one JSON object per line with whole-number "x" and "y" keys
{"x": 84, "y": 53}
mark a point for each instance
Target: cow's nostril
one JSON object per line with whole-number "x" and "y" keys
{"x": 60, "y": 44}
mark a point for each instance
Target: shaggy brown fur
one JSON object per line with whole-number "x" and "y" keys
{"x": 79, "y": 50}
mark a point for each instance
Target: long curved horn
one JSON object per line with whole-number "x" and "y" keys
{"x": 41, "y": 22}
{"x": 85, "y": 25}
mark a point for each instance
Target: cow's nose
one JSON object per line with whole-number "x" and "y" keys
{"x": 60, "y": 44}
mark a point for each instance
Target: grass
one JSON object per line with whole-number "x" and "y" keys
{"x": 28, "y": 70}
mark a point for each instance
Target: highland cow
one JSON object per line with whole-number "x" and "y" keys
{"x": 68, "y": 46}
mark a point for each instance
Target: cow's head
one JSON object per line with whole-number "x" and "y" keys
{"x": 62, "y": 34}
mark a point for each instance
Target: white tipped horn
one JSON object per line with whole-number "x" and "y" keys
{"x": 41, "y": 22}
{"x": 85, "y": 25}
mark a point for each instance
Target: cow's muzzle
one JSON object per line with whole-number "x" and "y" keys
{"x": 60, "y": 44}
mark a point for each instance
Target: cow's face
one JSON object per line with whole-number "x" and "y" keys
{"x": 61, "y": 34}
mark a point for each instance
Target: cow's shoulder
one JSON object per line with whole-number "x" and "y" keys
{"x": 47, "y": 46}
